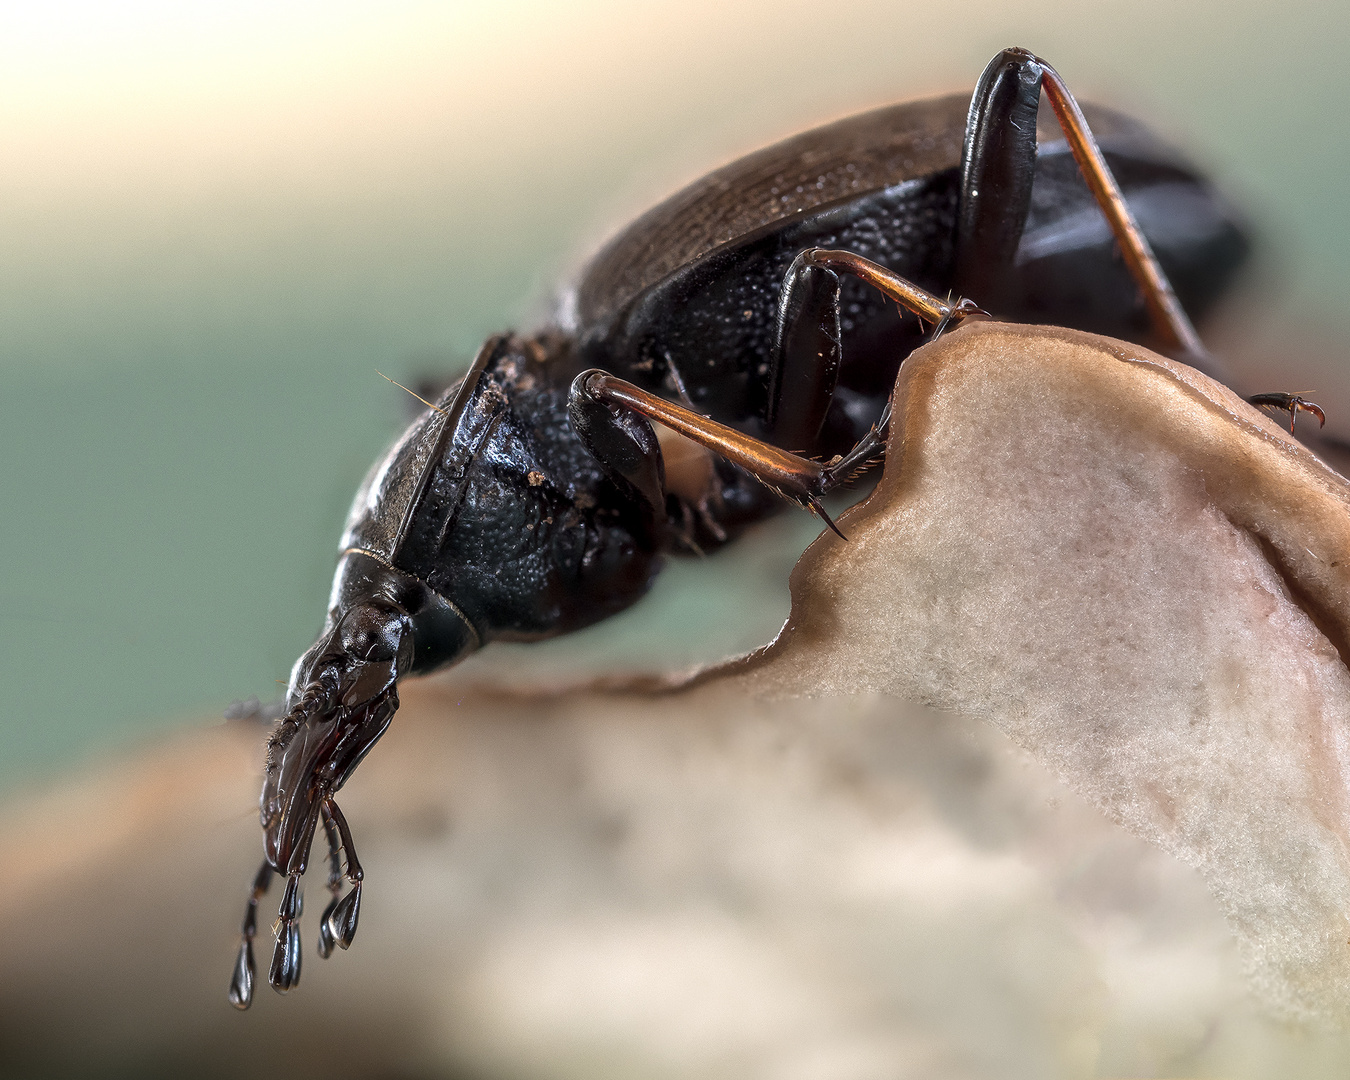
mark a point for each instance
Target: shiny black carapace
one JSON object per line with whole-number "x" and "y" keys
{"x": 758, "y": 312}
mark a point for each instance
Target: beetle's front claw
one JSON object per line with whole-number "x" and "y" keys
{"x": 1293, "y": 404}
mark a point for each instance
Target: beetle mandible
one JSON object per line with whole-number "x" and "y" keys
{"x": 757, "y": 312}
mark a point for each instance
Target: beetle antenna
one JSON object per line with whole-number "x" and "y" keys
{"x": 315, "y": 696}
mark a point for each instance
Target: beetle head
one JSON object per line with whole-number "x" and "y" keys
{"x": 342, "y": 696}
{"x": 382, "y": 624}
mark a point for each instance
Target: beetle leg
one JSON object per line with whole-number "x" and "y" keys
{"x": 1169, "y": 319}
{"x": 241, "y": 983}
{"x": 622, "y": 441}
{"x": 597, "y": 395}
{"x": 932, "y": 309}
{"x": 796, "y": 478}
{"x": 998, "y": 163}
{"x": 807, "y": 353}
{"x": 1293, "y": 404}
{"x": 998, "y": 167}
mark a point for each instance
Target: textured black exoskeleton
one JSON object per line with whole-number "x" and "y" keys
{"x": 745, "y": 313}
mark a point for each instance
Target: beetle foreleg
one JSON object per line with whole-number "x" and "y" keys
{"x": 621, "y": 441}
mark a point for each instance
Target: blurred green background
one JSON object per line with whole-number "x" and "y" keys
{"x": 218, "y": 220}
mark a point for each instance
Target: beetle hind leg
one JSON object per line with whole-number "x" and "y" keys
{"x": 997, "y": 170}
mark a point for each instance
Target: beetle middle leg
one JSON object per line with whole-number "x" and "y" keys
{"x": 806, "y": 355}
{"x": 611, "y": 415}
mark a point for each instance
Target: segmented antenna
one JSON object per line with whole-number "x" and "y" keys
{"x": 313, "y": 699}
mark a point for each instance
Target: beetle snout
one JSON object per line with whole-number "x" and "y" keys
{"x": 342, "y": 697}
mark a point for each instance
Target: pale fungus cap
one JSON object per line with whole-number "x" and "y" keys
{"x": 1127, "y": 591}
{"x": 1139, "y": 578}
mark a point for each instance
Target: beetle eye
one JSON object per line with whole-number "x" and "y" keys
{"x": 371, "y": 634}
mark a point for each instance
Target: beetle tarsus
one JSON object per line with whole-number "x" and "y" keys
{"x": 819, "y": 511}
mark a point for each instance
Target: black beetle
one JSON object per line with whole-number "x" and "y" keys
{"x": 752, "y": 313}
